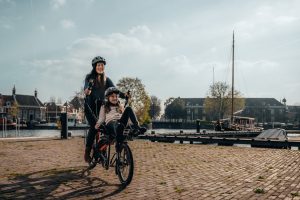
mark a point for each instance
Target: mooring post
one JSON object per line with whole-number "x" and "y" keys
{"x": 198, "y": 125}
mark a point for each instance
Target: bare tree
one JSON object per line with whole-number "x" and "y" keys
{"x": 218, "y": 103}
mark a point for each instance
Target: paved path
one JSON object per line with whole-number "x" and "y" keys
{"x": 54, "y": 169}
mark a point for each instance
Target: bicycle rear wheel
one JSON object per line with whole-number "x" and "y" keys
{"x": 125, "y": 165}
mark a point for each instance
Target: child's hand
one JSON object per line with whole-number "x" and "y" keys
{"x": 128, "y": 95}
{"x": 97, "y": 126}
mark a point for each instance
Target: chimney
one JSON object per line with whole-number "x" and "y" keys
{"x": 35, "y": 93}
{"x": 14, "y": 90}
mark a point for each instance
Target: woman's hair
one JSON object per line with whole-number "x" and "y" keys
{"x": 107, "y": 106}
{"x": 99, "y": 79}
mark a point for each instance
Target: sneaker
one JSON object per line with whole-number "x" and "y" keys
{"x": 139, "y": 131}
{"x": 87, "y": 156}
{"x": 142, "y": 130}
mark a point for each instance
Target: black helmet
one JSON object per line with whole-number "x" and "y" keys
{"x": 98, "y": 59}
{"x": 111, "y": 90}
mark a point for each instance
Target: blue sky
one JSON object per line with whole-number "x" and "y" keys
{"x": 172, "y": 46}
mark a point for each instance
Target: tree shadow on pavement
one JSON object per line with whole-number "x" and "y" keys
{"x": 58, "y": 184}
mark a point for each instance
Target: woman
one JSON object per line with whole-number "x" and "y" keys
{"x": 96, "y": 82}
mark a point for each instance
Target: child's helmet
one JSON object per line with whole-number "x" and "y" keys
{"x": 98, "y": 59}
{"x": 111, "y": 90}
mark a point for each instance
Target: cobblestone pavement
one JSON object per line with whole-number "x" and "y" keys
{"x": 54, "y": 169}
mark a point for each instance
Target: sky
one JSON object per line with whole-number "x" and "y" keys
{"x": 178, "y": 48}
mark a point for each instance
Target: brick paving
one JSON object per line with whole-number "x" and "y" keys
{"x": 54, "y": 169}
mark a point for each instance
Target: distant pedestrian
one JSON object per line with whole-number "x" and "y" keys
{"x": 218, "y": 126}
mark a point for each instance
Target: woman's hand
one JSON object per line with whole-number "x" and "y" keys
{"x": 87, "y": 91}
{"x": 97, "y": 126}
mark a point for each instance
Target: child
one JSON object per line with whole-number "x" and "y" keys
{"x": 114, "y": 115}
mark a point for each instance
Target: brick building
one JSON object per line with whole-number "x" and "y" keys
{"x": 24, "y": 107}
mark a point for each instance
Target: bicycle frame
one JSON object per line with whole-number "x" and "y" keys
{"x": 110, "y": 162}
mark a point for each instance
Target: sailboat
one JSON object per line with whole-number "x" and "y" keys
{"x": 237, "y": 123}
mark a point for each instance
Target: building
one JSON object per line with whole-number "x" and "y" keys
{"x": 262, "y": 109}
{"x": 25, "y": 108}
{"x": 76, "y": 108}
{"x": 53, "y": 111}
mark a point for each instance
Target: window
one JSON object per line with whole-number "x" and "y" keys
{"x": 196, "y": 111}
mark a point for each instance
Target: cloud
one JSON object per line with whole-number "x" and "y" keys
{"x": 140, "y": 31}
{"x": 283, "y": 20}
{"x": 67, "y": 24}
{"x": 7, "y": 26}
{"x": 179, "y": 64}
{"x": 42, "y": 28}
{"x": 10, "y": 2}
{"x": 115, "y": 44}
{"x": 5, "y": 23}
{"x": 56, "y": 4}
{"x": 267, "y": 19}
{"x": 130, "y": 54}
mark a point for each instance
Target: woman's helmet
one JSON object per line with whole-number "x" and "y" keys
{"x": 111, "y": 90}
{"x": 98, "y": 59}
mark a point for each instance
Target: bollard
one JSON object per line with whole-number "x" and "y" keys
{"x": 181, "y": 131}
{"x": 64, "y": 126}
{"x": 198, "y": 125}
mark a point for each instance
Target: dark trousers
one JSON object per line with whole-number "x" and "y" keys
{"x": 91, "y": 110}
{"x": 116, "y": 128}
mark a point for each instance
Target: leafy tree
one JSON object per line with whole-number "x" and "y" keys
{"x": 175, "y": 108}
{"x": 218, "y": 103}
{"x": 154, "y": 107}
{"x": 140, "y": 101}
{"x": 14, "y": 110}
{"x": 169, "y": 101}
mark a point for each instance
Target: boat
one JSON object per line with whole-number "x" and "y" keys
{"x": 237, "y": 123}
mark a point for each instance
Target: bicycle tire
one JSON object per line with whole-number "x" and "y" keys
{"x": 125, "y": 159}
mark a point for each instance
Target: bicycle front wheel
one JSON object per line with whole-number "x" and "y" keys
{"x": 125, "y": 165}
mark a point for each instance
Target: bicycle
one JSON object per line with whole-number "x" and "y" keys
{"x": 122, "y": 158}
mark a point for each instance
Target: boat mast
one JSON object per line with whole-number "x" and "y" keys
{"x": 232, "y": 81}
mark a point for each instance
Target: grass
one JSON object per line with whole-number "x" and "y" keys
{"x": 295, "y": 194}
{"x": 261, "y": 178}
{"x": 14, "y": 175}
{"x": 259, "y": 191}
{"x": 163, "y": 183}
{"x": 179, "y": 190}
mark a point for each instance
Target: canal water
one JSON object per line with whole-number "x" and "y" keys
{"x": 57, "y": 134}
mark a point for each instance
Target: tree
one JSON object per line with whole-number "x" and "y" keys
{"x": 154, "y": 107}
{"x": 169, "y": 101}
{"x": 140, "y": 101}
{"x": 14, "y": 110}
{"x": 175, "y": 108}
{"x": 218, "y": 103}
{"x": 77, "y": 101}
